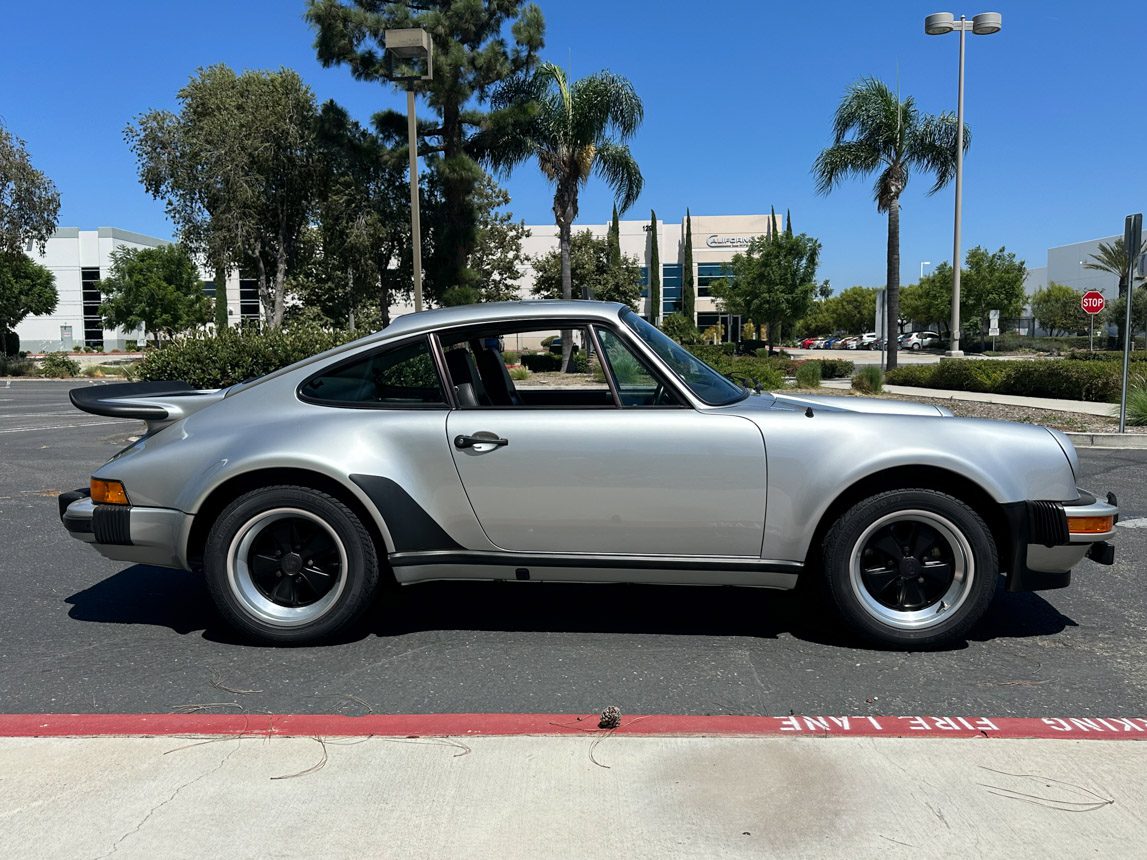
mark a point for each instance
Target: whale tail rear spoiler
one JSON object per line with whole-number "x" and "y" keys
{"x": 157, "y": 403}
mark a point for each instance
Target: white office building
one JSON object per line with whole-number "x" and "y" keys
{"x": 79, "y": 259}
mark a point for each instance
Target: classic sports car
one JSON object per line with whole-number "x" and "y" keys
{"x": 413, "y": 454}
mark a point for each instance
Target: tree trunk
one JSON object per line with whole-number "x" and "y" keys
{"x": 564, "y": 242}
{"x": 892, "y": 296}
{"x": 264, "y": 293}
{"x": 220, "y": 297}
{"x": 280, "y": 276}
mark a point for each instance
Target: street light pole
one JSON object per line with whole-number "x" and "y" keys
{"x": 954, "y": 346}
{"x": 410, "y": 59}
{"x": 938, "y": 24}
{"x": 415, "y": 218}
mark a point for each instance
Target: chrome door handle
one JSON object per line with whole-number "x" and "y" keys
{"x": 463, "y": 442}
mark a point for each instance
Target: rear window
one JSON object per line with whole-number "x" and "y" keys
{"x": 399, "y": 376}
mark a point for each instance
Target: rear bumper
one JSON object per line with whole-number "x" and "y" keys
{"x": 125, "y": 533}
{"x": 1044, "y": 551}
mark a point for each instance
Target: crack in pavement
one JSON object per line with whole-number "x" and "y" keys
{"x": 171, "y": 797}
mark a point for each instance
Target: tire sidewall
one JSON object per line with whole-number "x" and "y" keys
{"x": 842, "y": 538}
{"x": 360, "y": 575}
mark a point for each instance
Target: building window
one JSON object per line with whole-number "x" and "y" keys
{"x": 707, "y": 273}
{"x": 248, "y": 298}
{"x": 93, "y": 321}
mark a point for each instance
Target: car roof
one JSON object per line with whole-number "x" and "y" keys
{"x": 442, "y": 318}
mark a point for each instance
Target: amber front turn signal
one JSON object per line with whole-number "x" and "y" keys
{"x": 108, "y": 492}
{"x": 1089, "y": 525}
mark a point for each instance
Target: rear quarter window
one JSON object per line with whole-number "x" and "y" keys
{"x": 403, "y": 375}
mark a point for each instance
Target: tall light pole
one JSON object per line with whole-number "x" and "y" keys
{"x": 939, "y": 24}
{"x": 924, "y": 263}
{"x": 409, "y": 59}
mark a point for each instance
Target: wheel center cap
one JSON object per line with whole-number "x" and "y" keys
{"x": 291, "y": 563}
{"x": 909, "y": 567}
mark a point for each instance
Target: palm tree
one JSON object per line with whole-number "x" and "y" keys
{"x": 574, "y": 131}
{"x": 1112, "y": 257}
{"x": 874, "y": 131}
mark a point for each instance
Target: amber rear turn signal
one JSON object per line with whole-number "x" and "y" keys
{"x": 1089, "y": 525}
{"x": 108, "y": 492}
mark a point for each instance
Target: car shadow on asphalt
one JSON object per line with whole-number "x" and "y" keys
{"x": 179, "y": 601}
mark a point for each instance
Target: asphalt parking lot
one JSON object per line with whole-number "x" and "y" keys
{"x": 79, "y": 633}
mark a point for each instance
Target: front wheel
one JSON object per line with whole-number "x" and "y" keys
{"x": 911, "y": 567}
{"x": 290, "y": 565}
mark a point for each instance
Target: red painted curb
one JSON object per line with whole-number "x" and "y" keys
{"x": 407, "y": 725}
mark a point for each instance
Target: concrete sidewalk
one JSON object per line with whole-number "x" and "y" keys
{"x": 1083, "y": 407}
{"x": 582, "y": 796}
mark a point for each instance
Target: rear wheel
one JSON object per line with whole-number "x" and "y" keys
{"x": 290, "y": 565}
{"x": 911, "y": 567}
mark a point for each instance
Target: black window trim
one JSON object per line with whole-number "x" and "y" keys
{"x": 369, "y": 354}
{"x": 682, "y": 402}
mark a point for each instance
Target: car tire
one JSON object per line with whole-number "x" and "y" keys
{"x": 926, "y": 597}
{"x": 290, "y": 565}
{"x": 916, "y": 347}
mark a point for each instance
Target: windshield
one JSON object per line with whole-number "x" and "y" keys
{"x": 707, "y": 384}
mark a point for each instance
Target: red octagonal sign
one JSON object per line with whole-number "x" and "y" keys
{"x": 1093, "y": 302}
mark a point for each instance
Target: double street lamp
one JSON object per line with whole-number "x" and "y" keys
{"x": 939, "y": 24}
{"x": 410, "y": 59}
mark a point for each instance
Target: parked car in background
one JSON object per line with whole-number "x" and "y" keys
{"x": 866, "y": 340}
{"x": 808, "y": 342}
{"x": 847, "y": 343}
{"x": 412, "y": 455}
{"x": 918, "y": 340}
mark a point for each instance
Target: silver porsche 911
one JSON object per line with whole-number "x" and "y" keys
{"x": 416, "y": 454}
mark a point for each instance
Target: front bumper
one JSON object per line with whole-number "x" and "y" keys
{"x": 125, "y": 532}
{"x": 1044, "y": 551}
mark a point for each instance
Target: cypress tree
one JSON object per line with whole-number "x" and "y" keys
{"x": 615, "y": 240}
{"x": 772, "y": 231}
{"x": 688, "y": 296}
{"x": 788, "y": 224}
{"x": 654, "y": 271}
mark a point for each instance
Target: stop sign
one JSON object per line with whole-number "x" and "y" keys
{"x": 1093, "y": 302}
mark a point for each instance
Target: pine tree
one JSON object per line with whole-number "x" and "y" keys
{"x": 688, "y": 294}
{"x": 654, "y": 309}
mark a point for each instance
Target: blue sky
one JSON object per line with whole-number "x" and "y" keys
{"x": 738, "y": 103}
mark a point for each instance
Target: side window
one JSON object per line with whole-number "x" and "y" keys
{"x": 512, "y": 366}
{"x": 636, "y": 385}
{"x": 401, "y": 376}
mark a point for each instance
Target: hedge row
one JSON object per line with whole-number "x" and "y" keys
{"x": 1106, "y": 355}
{"x": 218, "y": 360}
{"x": 1097, "y": 381}
{"x": 719, "y": 357}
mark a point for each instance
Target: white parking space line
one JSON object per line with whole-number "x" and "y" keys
{"x": 62, "y": 426}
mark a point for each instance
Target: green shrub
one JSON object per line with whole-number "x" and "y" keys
{"x": 836, "y": 368}
{"x": 1137, "y": 405}
{"x": 16, "y": 365}
{"x": 729, "y": 348}
{"x": 519, "y": 373}
{"x": 808, "y": 374}
{"x": 911, "y": 374}
{"x": 868, "y": 379}
{"x": 511, "y": 357}
{"x": 57, "y": 365}
{"x": 207, "y": 360}
{"x": 1064, "y": 380}
{"x": 543, "y": 362}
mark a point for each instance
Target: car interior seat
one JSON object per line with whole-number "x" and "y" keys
{"x": 495, "y": 377}
{"x": 468, "y": 387}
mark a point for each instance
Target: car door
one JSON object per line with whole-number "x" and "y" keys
{"x": 646, "y": 475}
